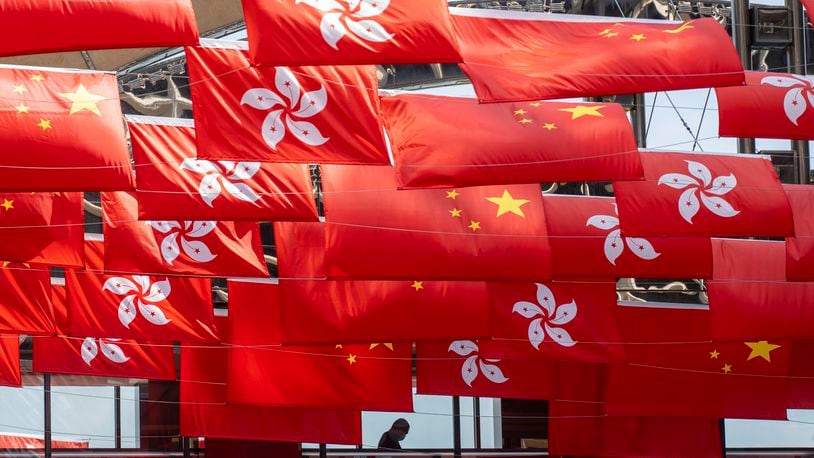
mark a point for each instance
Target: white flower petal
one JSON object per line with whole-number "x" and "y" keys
{"x": 332, "y": 29}
{"x": 261, "y": 99}
{"x": 782, "y": 81}
{"x": 169, "y": 248}
{"x": 722, "y": 185}
{"x": 322, "y": 5}
{"x": 492, "y": 372}
{"x": 795, "y": 104}
{"x": 688, "y": 204}
{"x": 469, "y": 370}
{"x": 286, "y": 83}
{"x": 113, "y": 352}
{"x": 198, "y": 166}
{"x": 244, "y": 170}
{"x": 119, "y": 285}
{"x": 370, "y": 8}
{"x": 718, "y": 206}
{"x": 89, "y": 350}
{"x": 603, "y": 222}
{"x": 152, "y": 314}
{"x": 209, "y": 189}
{"x": 642, "y": 248}
{"x": 700, "y": 171}
{"x": 369, "y": 30}
{"x": 143, "y": 282}
{"x": 197, "y": 250}
{"x": 159, "y": 291}
{"x": 546, "y": 299}
{"x": 201, "y": 228}
{"x": 677, "y": 180}
{"x": 241, "y": 191}
{"x": 536, "y": 333}
{"x": 527, "y": 309}
{"x": 273, "y": 129}
{"x": 127, "y": 311}
{"x": 613, "y": 246}
{"x": 565, "y": 313}
{"x": 312, "y": 103}
{"x": 164, "y": 226}
{"x": 305, "y": 132}
{"x": 559, "y": 335}
{"x": 463, "y": 347}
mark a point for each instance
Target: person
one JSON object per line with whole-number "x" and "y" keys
{"x": 391, "y": 438}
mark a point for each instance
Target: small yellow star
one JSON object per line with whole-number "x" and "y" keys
{"x": 606, "y": 31}
{"x": 7, "y": 204}
{"x": 452, "y": 194}
{"x": 19, "y": 89}
{"x": 338, "y": 345}
{"x": 389, "y": 346}
{"x": 638, "y": 36}
{"x": 418, "y": 285}
{"x": 351, "y": 359}
{"x": 610, "y": 35}
{"x": 549, "y": 126}
{"x": 507, "y": 204}
{"x": 83, "y": 100}
{"x": 44, "y": 124}
{"x": 761, "y": 349}
{"x": 37, "y": 78}
{"x": 474, "y": 225}
{"x": 520, "y": 112}
{"x": 5, "y": 264}
{"x": 525, "y": 121}
{"x": 455, "y": 212}
{"x": 535, "y": 104}
{"x": 584, "y": 110}
{"x": 727, "y": 368}
{"x": 714, "y": 354}
{"x": 22, "y": 108}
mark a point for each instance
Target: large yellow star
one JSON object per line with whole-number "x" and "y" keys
{"x": 83, "y": 100}
{"x": 761, "y": 349}
{"x": 584, "y": 110}
{"x": 387, "y": 345}
{"x": 507, "y": 204}
{"x": 418, "y": 285}
{"x": 7, "y": 204}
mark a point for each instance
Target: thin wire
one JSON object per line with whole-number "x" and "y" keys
{"x": 686, "y": 126}
{"x": 650, "y": 118}
{"x": 701, "y": 122}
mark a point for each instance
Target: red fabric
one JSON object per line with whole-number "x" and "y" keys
{"x": 675, "y": 369}
{"x": 800, "y": 388}
{"x": 142, "y": 307}
{"x": 809, "y": 6}
{"x": 345, "y": 377}
{"x": 43, "y": 26}
{"x": 704, "y": 195}
{"x": 586, "y": 241}
{"x": 771, "y": 105}
{"x": 178, "y": 247}
{"x": 336, "y": 32}
{"x": 44, "y": 140}
{"x": 44, "y": 228}
{"x": 527, "y": 56}
{"x": 440, "y": 141}
{"x": 204, "y": 411}
{"x": 418, "y": 236}
{"x": 10, "y": 374}
{"x": 173, "y": 183}
{"x": 569, "y": 321}
{"x": 277, "y": 114}
{"x": 300, "y": 250}
{"x": 749, "y": 297}
{"x": 26, "y": 442}
{"x": 25, "y": 300}
{"x": 800, "y": 249}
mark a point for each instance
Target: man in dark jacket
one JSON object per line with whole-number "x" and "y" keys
{"x": 391, "y": 438}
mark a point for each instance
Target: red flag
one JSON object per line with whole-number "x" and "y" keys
{"x": 10, "y": 374}
{"x": 204, "y": 411}
{"x": 202, "y": 248}
{"x": 336, "y": 32}
{"x": 280, "y": 114}
{"x": 586, "y": 242}
{"x": 809, "y": 6}
{"x": 25, "y": 299}
{"x": 300, "y": 250}
{"x": 43, "y": 228}
{"x": 174, "y": 183}
{"x": 483, "y": 233}
{"x": 771, "y": 105}
{"x": 44, "y": 26}
{"x": 46, "y": 117}
{"x": 443, "y": 141}
{"x": 800, "y": 389}
{"x": 510, "y": 55}
{"x": 704, "y": 195}
{"x": 675, "y": 369}
{"x": 800, "y": 249}
{"x": 143, "y": 307}
{"x": 571, "y": 320}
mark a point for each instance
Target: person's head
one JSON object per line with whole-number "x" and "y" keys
{"x": 399, "y": 429}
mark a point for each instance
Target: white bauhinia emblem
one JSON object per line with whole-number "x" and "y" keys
{"x": 223, "y": 175}
{"x": 615, "y": 243}
{"x": 289, "y": 110}
{"x": 708, "y": 189}
{"x": 343, "y": 16}
{"x": 180, "y": 237}
{"x": 801, "y": 88}
{"x": 547, "y": 317}
{"x": 111, "y": 351}
{"x": 469, "y": 370}
{"x": 139, "y": 294}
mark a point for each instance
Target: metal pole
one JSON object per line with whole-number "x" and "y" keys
{"x": 722, "y": 432}
{"x": 117, "y": 415}
{"x": 46, "y": 427}
{"x": 456, "y": 427}
{"x": 323, "y": 451}
{"x": 798, "y": 65}
{"x": 186, "y": 447}
{"x": 740, "y": 30}
{"x": 639, "y": 116}
{"x": 476, "y": 411}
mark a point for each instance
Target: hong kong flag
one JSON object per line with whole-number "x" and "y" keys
{"x": 43, "y": 228}
{"x": 586, "y": 241}
{"x": 205, "y": 412}
{"x": 481, "y": 233}
{"x": 10, "y": 374}
{"x": 800, "y": 248}
{"x": 511, "y": 55}
{"x": 338, "y": 32}
{"x": 692, "y": 194}
{"x": 441, "y": 141}
{"x": 25, "y": 299}
{"x": 771, "y": 105}
{"x": 44, "y": 26}
{"x": 173, "y": 183}
{"x": 137, "y": 306}
{"x": 202, "y": 248}
{"x": 281, "y": 114}
{"x": 62, "y": 131}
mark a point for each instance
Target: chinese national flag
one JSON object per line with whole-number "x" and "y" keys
{"x": 201, "y": 248}
{"x": 10, "y": 374}
{"x": 62, "y": 131}
{"x": 675, "y": 369}
{"x": 800, "y": 390}
{"x": 771, "y": 105}
{"x": 586, "y": 242}
{"x": 45, "y": 26}
{"x": 138, "y": 306}
{"x": 510, "y": 55}
{"x": 280, "y": 114}
{"x": 749, "y": 295}
{"x": 205, "y": 412}
{"x": 339, "y": 32}
{"x": 481, "y": 233}
{"x": 800, "y": 249}
{"x": 25, "y": 300}
{"x": 173, "y": 183}
{"x": 43, "y": 228}
{"x": 441, "y": 141}
{"x": 95, "y": 356}
{"x": 691, "y": 194}
{"x": 300, "y": 250}
{"x": 571, "y": 320}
